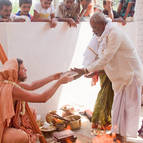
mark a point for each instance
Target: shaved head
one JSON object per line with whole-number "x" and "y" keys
{"x": 99, "y": 17}
{"x": 98, "y": 22}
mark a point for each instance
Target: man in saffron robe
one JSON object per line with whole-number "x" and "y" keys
{"x": 13, "y": 124}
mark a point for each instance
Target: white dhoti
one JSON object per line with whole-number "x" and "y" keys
{"x": 126, "y": 110}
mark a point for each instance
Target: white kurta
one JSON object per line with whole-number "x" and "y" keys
{"x": 119, "y": 59}
{"x": 139, "y": 27}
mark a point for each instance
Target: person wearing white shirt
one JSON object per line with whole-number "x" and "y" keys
{"x": 119, "y": 59}
{"x": 44, "y": 12}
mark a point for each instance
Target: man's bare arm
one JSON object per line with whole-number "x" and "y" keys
{"x": 19, "y": 20}
{"x": 119, "y": 7}
{"x": 110, "y": 11}
{"x": 4, "y": 20}
{"x": 39, "y": 83}
{"x": 128, "y": 9}
{"x": 25, "y": 95}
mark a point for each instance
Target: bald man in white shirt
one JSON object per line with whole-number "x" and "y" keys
{"x": 119, "y": 59}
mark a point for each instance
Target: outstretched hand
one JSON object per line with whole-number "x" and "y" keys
{"x": 66, "y": 79}
{"x": 90, "y": 75}
{"x": 57, "y": 75}
{"x": 79, "y": 71}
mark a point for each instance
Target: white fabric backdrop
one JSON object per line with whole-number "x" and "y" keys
{"x": 46, "y": 51}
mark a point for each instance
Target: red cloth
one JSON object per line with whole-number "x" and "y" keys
{"x": 94, "y": 79}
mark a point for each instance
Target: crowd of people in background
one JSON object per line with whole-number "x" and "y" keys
{"x": 120, "y": 75}
{"x": 69, "y": 11}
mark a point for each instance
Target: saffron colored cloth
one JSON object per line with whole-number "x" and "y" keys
{"x": 9, "y": 72}
{"x": 11, "y": 120}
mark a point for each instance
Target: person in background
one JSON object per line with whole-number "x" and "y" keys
{"x": 5, "y": 12}
{"x": 25, "y": 6}
{"x": 68, "y": 11}
{"x": 87, "y": 8}
{"x": 45, "y": 12}
{"x": 108, "y": 10}
{"x": 126, "y": 9}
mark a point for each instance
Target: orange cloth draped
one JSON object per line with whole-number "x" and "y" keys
{"x": 3, "y": 57}
{"x": 9, "y": 115}
{"x": 8, "y": 72}
{"x": 23, "y": 122}
{"x": 28, "y": 124}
